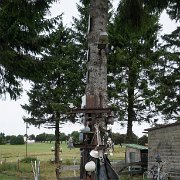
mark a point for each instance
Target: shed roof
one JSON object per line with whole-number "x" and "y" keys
{"x": 136, "y": 146}
{"x": 163, "y": 126}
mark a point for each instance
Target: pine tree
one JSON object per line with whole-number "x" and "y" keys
{"x": 22, "y": 35}
{"x": 167, "y": 97}
{"x": 131, "y": 66}
{"x": 167, "y": 92}
{"x": 49, "y": 100}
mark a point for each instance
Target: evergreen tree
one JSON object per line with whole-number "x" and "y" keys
{"x": 49, "y": 100}
{"x": 172, "y": 7}
{"x": 167, "y": 93}
{"x": 167, "y": 97}
{"x": 131, "y": 66}
{"x": 143, "y": 140}
{"x": 80, "y": 29}
{"x": 22, "y": 35}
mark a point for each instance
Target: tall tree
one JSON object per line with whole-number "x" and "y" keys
{"x": 130, "y": 65}
{"x": 167, "y": 97}
{"x": 22, "y": 36}
{"x": 167, "y": 93}
{"x": 61, "y": 85}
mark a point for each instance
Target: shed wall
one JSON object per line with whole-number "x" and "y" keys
{"x": 165, "y": 142}
{"x": 137, "y": 154}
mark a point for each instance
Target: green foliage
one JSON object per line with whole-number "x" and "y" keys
{"x": 17, "y": 140}
{"x": 41, "y": 137}
{"x": 60, "y": 86}
{"x": 167, "y": 97}
{"x": 68, "y": 162}
{"x": 171, "y": 6}
{"x": 118, "y": 138}
{"x": 22, "y": 36}
{"x": 45, "y": 137}
{"x": 63, "y": 137}
{"x": 10, "y": 166}
{"x": 2, "y": 138}
{"x": 133, "y": 14}
{"x": 80, "y": 28}
{"x": 130, "y": 61}
{"x": 32, "y": 137}
{"x": 143, "y": 140}
{"x": 75, "y": 136}
{"x": 28, "y": 159}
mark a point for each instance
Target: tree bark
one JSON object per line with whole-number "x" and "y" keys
{"x": 57, "y": 141}
{"x": 57, "y": 146}
{"x": 96, "y": 88}
{"x": 130, "y": 109}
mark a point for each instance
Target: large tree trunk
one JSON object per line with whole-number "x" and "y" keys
{"x": 57, "y": 142}
{"x": 130, "y": 109}
{"x": 96, "y": 89}
{"x": 57, "y": 147}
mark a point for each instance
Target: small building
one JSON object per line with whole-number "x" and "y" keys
{"x": 137, "y": 154}
{"x": 164, "y": 141}
{"x": 29, "y": 141}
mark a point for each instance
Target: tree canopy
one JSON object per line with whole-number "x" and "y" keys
{"x": 23, "y": 36}
{"x": 62, "y": 83}
{"x": 131, "y": 60}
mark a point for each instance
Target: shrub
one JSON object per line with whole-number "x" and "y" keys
{"x": 28, "y": 159}
{"x": 68, "y": 162}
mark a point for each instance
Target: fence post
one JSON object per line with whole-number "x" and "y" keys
{"x": 36, "y": 169}
{"x": 74, "y": 161}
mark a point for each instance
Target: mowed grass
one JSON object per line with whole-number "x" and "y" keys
{"x": 10, "y": 156}
{"x": 42, "y": 151}
{"x": 6, "y": 177}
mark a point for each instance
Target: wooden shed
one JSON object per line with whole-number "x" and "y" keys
{"x": 164, "y": 140}
{"x": 136, "y": 154}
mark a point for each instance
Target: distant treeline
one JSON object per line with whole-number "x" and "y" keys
{"x": 117, "y": 138}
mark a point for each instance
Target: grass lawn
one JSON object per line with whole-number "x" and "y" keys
{"x": 10, "y": 154}
{"x": 6, "y": 177}
{"x": 41, "y": 151}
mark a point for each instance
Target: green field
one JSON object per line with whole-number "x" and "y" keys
{"x": 41, "y": 151}
{"x": 11, "y": 168}
{"x": 6, "y": 177}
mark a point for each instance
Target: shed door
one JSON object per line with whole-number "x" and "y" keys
{"x": 132, "y": 156}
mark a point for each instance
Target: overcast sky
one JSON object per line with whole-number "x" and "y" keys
{"x": 11, "y": 113}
